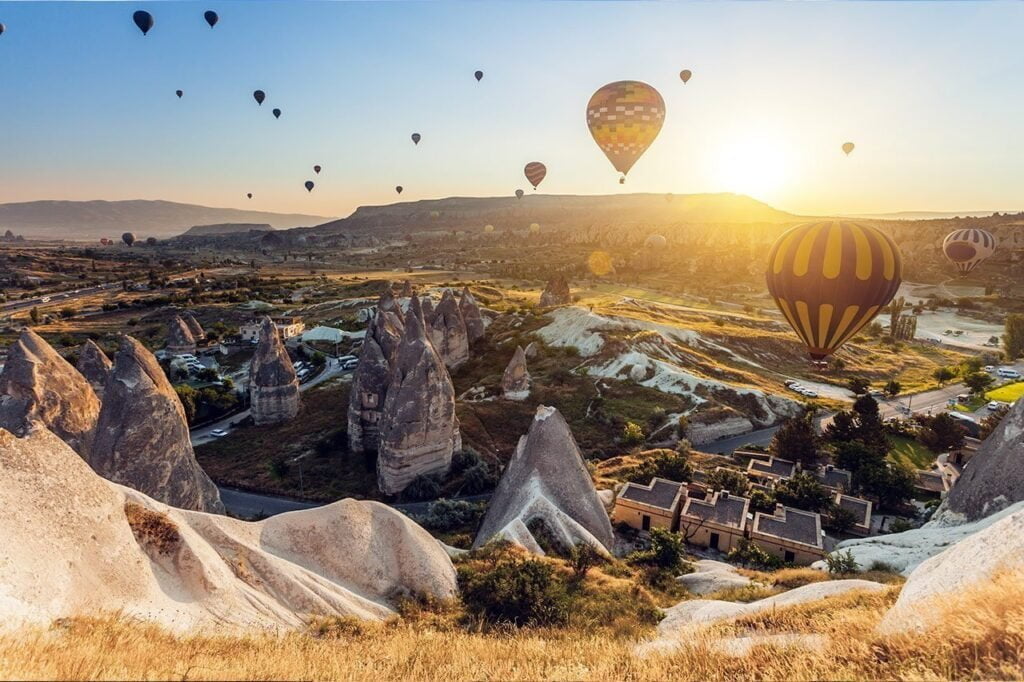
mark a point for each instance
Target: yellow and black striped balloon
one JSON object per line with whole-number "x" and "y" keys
{"x": 831, "y": 278}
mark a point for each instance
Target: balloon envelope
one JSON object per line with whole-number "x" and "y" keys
{"x": 488, "y": 228}
{"x": 684, "y": 75}
{"x": 211, "y": 17}
{"x": 309, "y": 185}
{"x": 415, "y": 138}
{"x": 144, "y": 20}
{"x": 847, "y": 148}
{"x": 624, "y": 118}
{"x": 534, "y": 228}
{"x": 398, "y": 188}
{"x": 519, "y": 194}
{"x": 128, "y": 238}
{"x": 830, "y": 279}
{"x": 259, "y": 96}
{"x": 277, "y": 113}
{"x": 249, "y": 195}
{"x": 2, "y": 29}
{"x": 179, "y": 93}
{"x": 316, "y": 169}
{"x": 967, "y": 248}
{"x": 655, "y": 241}
{"x": 535, "y": 172}
{"x": 478, "y": 75}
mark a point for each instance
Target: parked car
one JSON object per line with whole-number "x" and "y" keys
{"x": 964, "y": 398}
{"x": 809, "y": 393}
{"x": 350, "y": 364}
{"x": 994, "y": 405}
{"x": 218, "y": 433}
{"x": 990, "y": 368}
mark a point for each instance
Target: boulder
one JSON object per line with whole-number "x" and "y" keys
{"x": 94, "y": 365}
{"x": 712, "y": 576}
{"x": 142, "y": 438}
{"x": 448, "y": 331}
{"x": 273, "y": 385}
{"x": 371, "y": 380}
{"x": 515, "y": 382}
{"x": 37, "y": 384}
{"x": 546, "y": 484}
{"x": 179, "y": 337}
{"x": 194, "y": 327}
{"x": 74, "y": 545}
{"x": 471, "y": 315}
{"x": 418, "y": 427}
{"x": 555, "y": 293}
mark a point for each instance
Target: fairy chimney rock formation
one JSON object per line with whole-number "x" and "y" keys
{"x": 471, "y": 314}
{"x": 94, "y": 365}
{"x": 142, "y": 438}
{"x": 194, "y": 327}
{"x": 555, "y": 293}
{"x": 546, "y": 484}
{"x": 179, "y": 337}
{"x": 38, "y": 385}
{"x": 273, "y": 386}
{"x": 427, "y": 305}
{"x": 418, "y": 427}
{"x": 515, "y": 383}
{"x": 448, "y": 331}
{"x": 371, "y": 379}
{"x": 388, "y": 303}
{"x": 407, "y": 290}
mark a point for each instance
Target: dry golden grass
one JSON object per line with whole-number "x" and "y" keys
{"x": 982, "y": 637}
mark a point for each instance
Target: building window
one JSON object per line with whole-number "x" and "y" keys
{"x": 645, "y": 522}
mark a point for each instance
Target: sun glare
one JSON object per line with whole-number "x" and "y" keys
{"x": 758, "y": 167}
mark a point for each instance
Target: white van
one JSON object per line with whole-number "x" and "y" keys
{"x": 1008, "y": 373}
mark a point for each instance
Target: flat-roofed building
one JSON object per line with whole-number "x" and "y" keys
{"x": 790, "y": 534}
{"x": 717, "y": 522}
{"x": 287, "y": 326}
{"x": 655, "y": 505}
{"x": 833, "y": 477}
{"x": 861, "y": 510}
{"x": 771, "y": 468}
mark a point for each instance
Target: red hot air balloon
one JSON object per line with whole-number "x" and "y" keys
{"x": 144, "y": 20}
{"x": 259, "y": 96}
{"x": 479, "y": 76}
{"x": 211, "y": 17}
{"x": 535, "y": 172}
{"x": 316, "y": 169}
{"x": 416, "y": 138}
{"x": 398, "y": 188}
{"x": 309, "y": 185}
{"x": 179, "y": 93}
{"x": 277, "y": 113}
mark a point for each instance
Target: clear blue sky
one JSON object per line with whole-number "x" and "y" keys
{"x": 931, "y": 93}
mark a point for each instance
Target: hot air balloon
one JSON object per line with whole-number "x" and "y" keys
{"x": 128, "y": 238}
{"x": 847, "y": 148}
{"x": 655, "y": 241}
{"x": 249, "y": 194}
{"x": 259, "y": 96}
{"x": 535, "y": 172}
{"x": 211, "y": 17}
{"x": 316, "y": 169}
{"x": 488, "y": 228}
{"x": 534, "y": 228}
{"x": 415, "y": 138}
{"x": 685, "y": 75}
{"x": 179, "y": 93}
{"x": 624, "y": 118}
{"x": 144, "y": 20}
{"x": 435, "y": 214}
{"x": 276, "y": 113}
{"x": 479, "y": 76}
{"x": 309, "y": 185}
{"x": 519, "y": 194}
{"x": 398, "y": 188}
{"x": 830, "y": 279}
{"x": 2, "y": 29}
{"x": 967, "y": 248}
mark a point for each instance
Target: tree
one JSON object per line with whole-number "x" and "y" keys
{"x": 892, "y": 388}
{"x": 34, "y": 315}
{"x": 1013, "y": 338}
{"x": 870, "y": 429}
{"x": 943, "y": 375}
{"x": 978, "y": 382}
{"x": 838, "y": 520}
{"x": 859, "y": 385}
{"x": 803, "y": 491}
{"x": 762, "y": 501}
{"x": 581, "y": 558}
{"x": 734, "y": 481}
{"x": 941, "y": 433}
{"x": 797, "y": 441}
{"x": 632, "y": 433}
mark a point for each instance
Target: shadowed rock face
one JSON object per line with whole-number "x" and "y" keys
{"x": 555, "y": 293}
{"x": 142, "y": 438}
{"x": 194, "y": 327}
{"x": 547, "y": 483}
{"x": 371, "y": 379}
{"x": 418, "y": 427}
{"x": 428, "y": 310}
{"x": 515, "y": 383}
{"x": 407, "y": 290}
{"x": 448, "y": 331}
{"x": 179, "y": 337}
{"x": 273, "y": 386}
{"x": 471, "y": 314}
{"x": 388, "y": 303}
{"x": 94, "y": 365}
{"x": 37, "y": 384}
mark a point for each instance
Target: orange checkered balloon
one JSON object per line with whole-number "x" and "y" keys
{"x": 624, "y": 117}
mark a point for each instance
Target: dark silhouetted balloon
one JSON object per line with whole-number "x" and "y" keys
{"x": 519, "y": 194}
{"x": 277, "y": 113}
{"x": 847, "y": 148}
{"x": 309, "y": 185}
{"x": 128, "y": 238}
{"x": 685, "y": 75}
{"x": 967, "y": 248}
{"x": 830, "y": 279}
{"x": 2, "y": 29}
{"x": 144, "y": 20}
{"x": 249, "y": 194}
{"x": 259, "y": 96}
{"x": 211, "y": 17}
{"x": 416, "y": 138}
{"x": 151, "y": 241}
{"x": 316, "y": 169}
{"x": 478, "y": 75}
{"x": 535, "y": 172}
{"x": 398, "y": 188}
{"x": 179, "y": 93}
{"x": 624, "y": 118}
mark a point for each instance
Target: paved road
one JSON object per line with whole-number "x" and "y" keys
{"x": 51, "y": 299}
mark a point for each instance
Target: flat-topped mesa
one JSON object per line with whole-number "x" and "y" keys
{"x": 471, "y": 314}
{"x": 38, "y": 385}
{"x": 555, "y": 293}
{"x": 546, "y": 484}
{"x": 418, "y": 427}
{"x": 371, "y": 379}
{"x": 94, "y": 365}
{"x": 515, "y": 383}
{"x": 198, "y": 333}
{"x": 179, "y": 336}
{"x": 273, "y": 385}
{"x": 142, "y": 438}
{"x": 448, "y": 331}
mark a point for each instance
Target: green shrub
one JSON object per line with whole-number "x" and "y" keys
{"x": 477, "y": 479}
{"x": 632, "y": 434}
{"x": 424, "y": 487}
{"x": 749, "y": 554}
{"x": 665, "y": 552}
{"x": 841, "y": 563}
{"x": 524, "y": 593}
{"x": 447, "y": 515}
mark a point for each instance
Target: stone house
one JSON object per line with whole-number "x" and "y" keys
{"x": 769, "y": 469}
{"x": 655, "y": 505}
{"x": 790, "y": 534}
{"x": 861, "y": 510}
{"x": 717, "y": 522}
{"x": 833, "y": 477}
{"x": 287, "y": 327}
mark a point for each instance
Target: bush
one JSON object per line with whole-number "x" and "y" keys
{"x": 279, "y": 468}
{"x": 424, "y": 487}
{"x": 464, "y": 459}
{"x": 749, "y": 554}
{"x": 477, "y": 479}
{"x": 581, "y": 558}
{"x": 447, "y": 515}
{"x": 632, "y": 434}
{"x": 666, "y": 551}
{"x": 841, "y": 563}
{"x": 525, "y": 593}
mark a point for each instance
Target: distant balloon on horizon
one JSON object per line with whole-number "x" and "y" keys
{"x": 249, "y": 194}
{"x": 144, "y": 20}
{"x": 309, "y": 185}
{"x": 416, "y": 137}
{"x": 847, "y": 148}
{"x": 685, "y": 76}
{"x": 211, "y": 17}
{"x": 398, "y": 188}
{"x": 277, "y": 113}
{"x": 2, "y": 29}
{"x": 128, "y": 238}
{"x": 316, "y": 169}
{"x": 535, "y": 171}
{"x": 179, "y": 93}
{"x": 259, "y": 96}
{"x": 479, "y": 76}
{"x": 519, "y": 194}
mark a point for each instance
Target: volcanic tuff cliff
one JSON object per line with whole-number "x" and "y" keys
{"x": 179, "y": 336}
{"x": 555, "y": 293}
{"x": 471, "y": 315}
{"x": 142, "y": 438}
{"x": 515, "y": 382}
{"x": 196, "y": 329}
{"x": 94, "y": 365}
{"x": 448, "y": 331}
{"x": 273, "y": 385}
{"x": 372, "y": 377}
{"x": 37, "y": 384}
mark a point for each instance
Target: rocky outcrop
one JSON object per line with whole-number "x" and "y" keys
{"x": 38, "y": 385}
{"x": 142, "y": 438}
{"x": 418, "y": 427}
{"x": 371, "y": 380}
{"x": 710, "y": 576}
{"x": 273, "y": 385}
{"x": 427, "y": 305}
{"x": 198, "y": 333}
{"x": 515, "y": 382}
{"x": 179, "y": 337}
{"x": 387, "y": 303}
{"x": 448, "y": 332}
{"x": 555, "y": 293}
{"x": 76, "y": 545}
{"x": 471, "y": 315}
{"x": 407, "y": 290}
{"x": 94, "y": 365}
{"x": 546, "y": 484}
